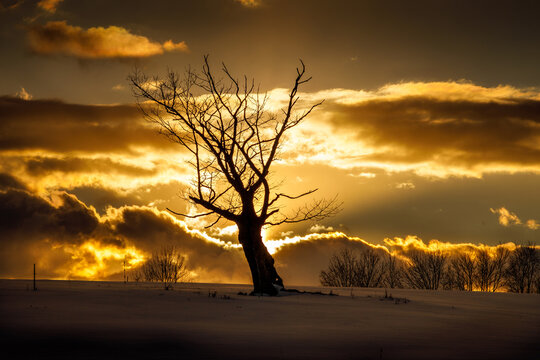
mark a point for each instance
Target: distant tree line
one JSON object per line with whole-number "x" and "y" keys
{"x": 478, "y": 269}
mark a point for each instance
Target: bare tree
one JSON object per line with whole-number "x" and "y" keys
{"x": 461, "y": 272}
{"x": 536, "y": 283}
{"x": 500, "y": 261}
{"x": 393, "y": 272}
{"x": 166, "y": 266}
{"x": 347, "y": 269}
{"x": 522, "y": 270}
{"x": 137, "y": 274}
{"x": 426, "y": 269}
{"x": 233, "y": 142}
{"x": 490, "y": 269}
{"x": 485, "y": 270}
{"x": 341, "y": 270}
{"x": 369, "y": 269}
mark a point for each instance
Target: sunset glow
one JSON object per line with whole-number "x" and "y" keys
{"x": 429, "y": 144}
{"x": 270, "y": 179}
{"x": 94, "y": 261}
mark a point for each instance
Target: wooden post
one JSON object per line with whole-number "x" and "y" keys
{"x": 35, "y": 277}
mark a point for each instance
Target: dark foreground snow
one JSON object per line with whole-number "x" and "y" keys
{"x": 107, "y": 320}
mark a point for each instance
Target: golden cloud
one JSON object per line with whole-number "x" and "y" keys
{"x": 57, "y": 37}
{"x": 250, "y": 3}
{"x": 49, "y": 5}
{"x": 508, "y": 218}
{"x": 23, "y": 94}
{"x": 532, "y": 224}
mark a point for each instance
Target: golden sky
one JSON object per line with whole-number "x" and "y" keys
{"x": 429, "y": 132}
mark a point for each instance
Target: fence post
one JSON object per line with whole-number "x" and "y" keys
{"x": 35, "y": 288}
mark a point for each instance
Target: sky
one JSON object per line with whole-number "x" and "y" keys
{"x": 429, "y": 133}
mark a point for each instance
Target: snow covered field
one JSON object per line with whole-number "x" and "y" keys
{"x": 110, "y": 320}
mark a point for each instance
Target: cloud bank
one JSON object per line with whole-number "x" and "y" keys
{"x": 70, "y": 240}
{"x": 434, "y": 129}
{"x": 81, "y": 185}
{"x": 59, "y": 127}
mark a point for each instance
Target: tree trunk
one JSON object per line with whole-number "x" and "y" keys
{"x": 265, "y": 277}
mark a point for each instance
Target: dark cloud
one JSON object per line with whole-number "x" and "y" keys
{"x": 9, "y": 4}
{"x": 54, "y": 235}
{"x": 161, "y": 195}
{"x": 39, "y": 166}
{"x": 9, "y": 182}
{"x": 23, "y": 214}
{"x": 101, "y": 198}
{"x": 59, "y": 127}
{"x": 51, "y": 232}
{"x": 148, "y": 230}
{"x": 461, "y": 133}
{"x": 31, "y": 225}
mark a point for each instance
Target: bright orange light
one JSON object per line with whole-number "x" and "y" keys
{"x": 93, "y": 260}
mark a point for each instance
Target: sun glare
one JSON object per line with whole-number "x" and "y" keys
{"x": 93, "y": 260}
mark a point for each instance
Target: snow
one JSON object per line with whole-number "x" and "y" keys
{"x": 106, "y": 320}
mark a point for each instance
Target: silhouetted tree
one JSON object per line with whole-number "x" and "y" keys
{"x": 536, "y": 282}
{"x": 522, "y": 270}
{"x": 426, "y": 269}
{"x": 166, "y": 266}
{"x": 500, "y": 261}
{"x": 485, "y": 269}
{"x": 137, "y": 274}
{"x": 490, "y": 268}
{"x": 369, "y": 268}
{"x": 393, "y": 272}
{"x": 233, "y": 142}
{"x": 347, "y": 268}
{"x": 341, "y": 270}
{"x": 461, "y": 271}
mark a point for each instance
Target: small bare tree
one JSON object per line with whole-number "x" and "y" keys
{"x": 166, "y": 266}
{"x": 341, "y": 270}
{"x": 426, "y": 269}
{"x": 137, "y": 274}
{"x": 233, "y": 141}
{"x": 523, "y": 266}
